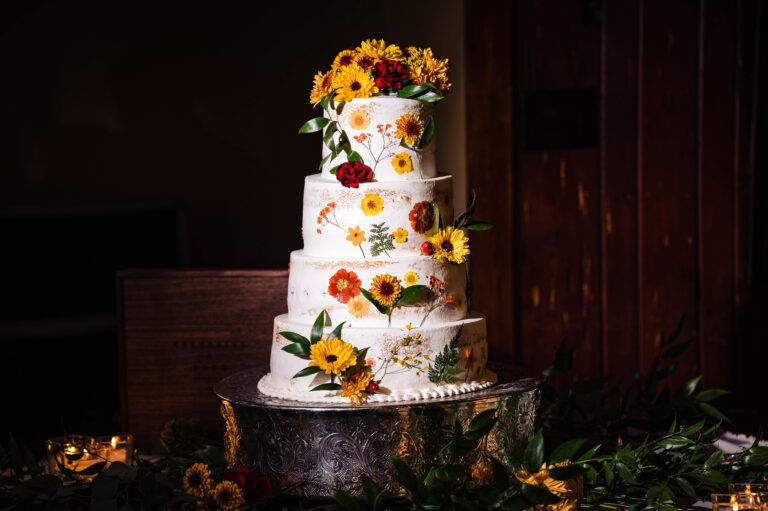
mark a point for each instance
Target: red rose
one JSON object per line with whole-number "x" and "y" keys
{"x": 252, "y": 486}
{"x": 352, "y": 173}
{"x": 389, "y": 74}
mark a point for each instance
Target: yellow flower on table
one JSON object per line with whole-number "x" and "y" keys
{"x": 228, "y": 495}
{"x": 571, "y": 491}
{"x": 372, "y": 204}
{"x": 386, "y": 289}
{"x": 410, "y": 128}
{"x": 400, "y": 235}
{"x": 358, "y": 306}
{"x": 450, "y": 244}
{"x": 358, "y": 119}
{"x": 379, "y": 50}
{"x": 355, "y": 382}
{"x": 353, "y": 82}
{"x": 410, "y": 278}
{"x": 356, "y": 236}
{"x": 198, "y": 480}
{"x": 401, "y": 162}
{"x": 333, "y": 356}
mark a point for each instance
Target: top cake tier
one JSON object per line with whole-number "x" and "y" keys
{"x": 375, "y": 127}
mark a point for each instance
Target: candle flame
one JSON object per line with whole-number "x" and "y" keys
{"x": 114, "y": 442}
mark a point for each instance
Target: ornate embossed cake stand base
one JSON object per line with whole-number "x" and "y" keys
{"x": 315, "y": 449}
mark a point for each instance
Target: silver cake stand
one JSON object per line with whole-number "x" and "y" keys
{"x": 313, "y": 449}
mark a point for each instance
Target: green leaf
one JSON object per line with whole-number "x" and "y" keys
{"x": 372, "y": 494}
{"x": 687, "y": 389}
{"x": 713, "y": 412}
{"x": 314, "y": 125}
{"x": 334, "y": 170}
{"x": 426, "y": 137}
{"x": 567, "y": 450}
{"x": 673, "y": 426}
{"x": 336, "y": 332}
{"x": 368, "y": 296}
{"x": 710, "y": 395}
{"x": 566, "y": 472}
{"x": 404, "y": 474}
{"x": 608, "y": 474}
{"x": 348, "y": 501}
{"x": 625, "y": 474}
{"x": 713, "y": 460}
{"x": 478, "y": 226}
{"x": 296, "y": 349}
{"x": 411, "y": 293}
{"x": 757, "y": 456}
{"x": 483, "y": 421}
{"x": 685, "y": 486}
{"x": 412, "y": 90}
{"x": 327, "y": 386}
{"x": 588, "y": 455}
{"x": 534, "y": 453}
{"x": 429, "y": 97}
{"x": 325, "y": 100}
{"x": 361, "y": 355}
{"x": 675, "y": 442}
{"x": 694, "y": 428}
{"x": 309, "y": 370}
{"x": 354, "y": 156}
{"x": 317, "y": 327}
{"x": 340, "y": 107}
{"x": 539, "y": 494}
{"x": 294, "y": 337}
{"x": 716, "y": 476}
{"x": 324, "y": 161}
{"x": 450, "y": 472}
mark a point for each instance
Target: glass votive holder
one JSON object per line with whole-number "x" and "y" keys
{"x": 73, "y": 452}
{"x": 747, "y": 488}
{"x": 120, "y": 447}
{"x": 736, "y": 502}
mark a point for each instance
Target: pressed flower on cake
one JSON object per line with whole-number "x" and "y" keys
{"x": 450, "y": 244}
{"x": 333, "y": 356}
{"x": 372, "y": 204}
{"x": 353, "y": 82}
{"x": 401, "y": 162}
{"x": 228, "y": 496}
{"x": 386, "y": 289}
{"x": 358, "y": 306}
{"x": 410, "y": 278}
{"x": 358, "y": 119}
{"x": 355, "y": 382}
{"x": 409, "y": 128}
{"x": 356, "y": 236}
{"x": 344, "y": 285}
{"x": 198, "y": 480}
{"x": 422, "y": 217}
{"x": 400, "y": 235}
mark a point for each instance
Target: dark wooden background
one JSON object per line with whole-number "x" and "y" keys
{"x": 642, "y": 215}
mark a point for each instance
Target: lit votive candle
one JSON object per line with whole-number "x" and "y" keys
{"x": 736, "y": 502}
{"x": 120, "y": 447}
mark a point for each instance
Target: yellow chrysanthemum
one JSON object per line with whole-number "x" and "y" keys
{"x": 355, "y": 382}
{"x": 356, "y": 236}
{"x": 358, "y": 119}
{"x": 571, "y": 491}
{"x": 450, "y": 244}
{"x": 322, "y": 87}
{"x": 386, "y": 289}
{"x": 333, "y": 355}
{"x": 379, "y": 50}
{"x": 409, "y": 128}
{"x": 411, "y": 278}
{"x": 424, "y": 67}
{"x": 401, "y": 162}
{"x": 198, "y": 481}
{"x": 353, "y": 82}
{"x": 358, "y": 306}
{"x": 372, "y": 204}
{"x": 400, "y": 235}
{"x": 345, "y": 58}
{"x": 228, "y": 495}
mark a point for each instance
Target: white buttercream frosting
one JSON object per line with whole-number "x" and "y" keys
{"x": 371, "y": 126}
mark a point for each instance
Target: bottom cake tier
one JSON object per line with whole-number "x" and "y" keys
{"x": 406, "y": 363}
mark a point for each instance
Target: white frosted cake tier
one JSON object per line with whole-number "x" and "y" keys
{"x": 345, "y": 223}
{"x": 398, "y": 381}
{"x": 318, "y": 283}
{"x": 371, "y": 127}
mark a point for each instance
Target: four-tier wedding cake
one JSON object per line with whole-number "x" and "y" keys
{"x": 378, "y": 299}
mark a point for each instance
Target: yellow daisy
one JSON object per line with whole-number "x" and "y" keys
{"x": 411, "y": 278}
{"x": 400, "y": 235}
{"x": 355, "y": 382}
{"x": 358, "y": 306}
{"x": 372, "y": 204}
{"x": 379, "y": 50}
{"x": 571, "y": 491}
{"x": 333, "y": 355}
{"x": 409, "y": 128}
{"x": 402, "y": 163}
{"x": 450, "y": 244}
{"x": 353, "y": 82}
{"x": 198, "y": 480}
{"x": 358, "y": 119}
{"x": 356, "y": 236}
{"x": 321, "y": 88}
{"x": 228, "y": 495}
{"x": 386, "y": 289}
{"x": 344, "y": 59}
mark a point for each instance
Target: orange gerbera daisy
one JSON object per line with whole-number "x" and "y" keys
{"x": 344, "y": 285}
{"x": 422, "y": 217}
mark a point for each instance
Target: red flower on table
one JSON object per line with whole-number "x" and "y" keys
{"x": 344, "y": 285}
{"x": 422, "y": 216}
{"x": 389, "y": 74}
{"x": 352, "y": 173}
